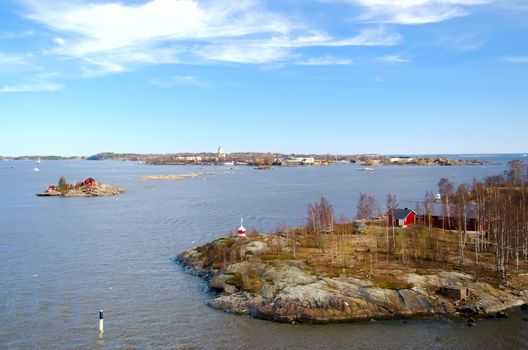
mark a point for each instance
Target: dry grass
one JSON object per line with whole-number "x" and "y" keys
{"x": 368, "y": 255}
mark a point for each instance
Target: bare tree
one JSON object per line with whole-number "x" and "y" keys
{"x": 428, "y": 220}
{"x": 462, "y": 209}
{"x": 445, "y": 188}
{"x": 320, "y": 216}
{"x": 391, "y": 203}
{"x": 514, "y": 173}
{"x": 367, "y": 207}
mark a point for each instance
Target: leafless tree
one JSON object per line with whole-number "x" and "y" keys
{"x": 445, "y": 188}
{"x": 320, "y": 216}
{"x": 391, "y": 203}
{"x": 367, "y": 207}
{"x": 462, "y": 208}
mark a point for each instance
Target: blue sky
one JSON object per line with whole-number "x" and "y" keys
{"x": 79, "y": 77}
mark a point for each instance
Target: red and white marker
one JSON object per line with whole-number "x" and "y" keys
{"x": 241, "y": 230}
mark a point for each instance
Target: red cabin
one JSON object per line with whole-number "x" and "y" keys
{"x": 89, "y": 182}
{"x": 401, "y": 217}
{"x": 51, "y": 188}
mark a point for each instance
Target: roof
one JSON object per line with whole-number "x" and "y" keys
{"x": 402, "y": 213}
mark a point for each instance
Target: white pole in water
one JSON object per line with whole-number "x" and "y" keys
{"x": 101, "y": 330}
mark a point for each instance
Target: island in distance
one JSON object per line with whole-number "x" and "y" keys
{"x": 86, "y": 188}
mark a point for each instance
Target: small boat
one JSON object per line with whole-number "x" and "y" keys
{"x": 35, "y": 169}
{"x": 229, "y": 163}
{"x": 366, "y": 169}
{"x": 38, "y": 160}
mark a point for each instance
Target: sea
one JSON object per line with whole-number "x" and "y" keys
{"x": 64, "y": 259}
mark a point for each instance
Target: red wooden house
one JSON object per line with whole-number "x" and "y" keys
{"x": 89, "y": 182}
{"x": 401, "y": 217}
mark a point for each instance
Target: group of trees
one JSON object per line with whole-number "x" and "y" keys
{"x": 489, "y": 216}
{"x": 495, "y": 209}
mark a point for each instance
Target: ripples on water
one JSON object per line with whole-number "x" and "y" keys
{"x": 64, "y": 259}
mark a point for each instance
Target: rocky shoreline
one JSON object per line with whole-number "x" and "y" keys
{"x": 290, "y": 291}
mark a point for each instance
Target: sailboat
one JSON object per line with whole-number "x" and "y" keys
{"x": 36, "y": 168}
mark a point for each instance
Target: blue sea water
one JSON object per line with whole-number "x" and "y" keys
{"x": 63, "y": 259}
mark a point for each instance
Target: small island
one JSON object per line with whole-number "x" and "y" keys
{"x": 86, "y": 188}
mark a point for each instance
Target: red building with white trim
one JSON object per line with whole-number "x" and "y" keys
{"x": 401, "y": 217}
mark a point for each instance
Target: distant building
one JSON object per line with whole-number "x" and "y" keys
{"x": 401, "y": 217}
{"x": 220, "y": 153}
{"x": 446, "y": 217}
{"x": 292, "y": 161}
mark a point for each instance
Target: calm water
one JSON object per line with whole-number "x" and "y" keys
{"x": 61, "y": 260}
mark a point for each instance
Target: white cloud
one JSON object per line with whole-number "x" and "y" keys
{"x": 32, "y": 87}
{"x": 59, "y": 41}
{"x": 279, "y": 48}
{"x": 179, "y": 80}
{"x": 13, "y": 59}
{"x": 394, "y": 59}
{"x": 325, "y": 61}
{"x": 413, "y": 11}
{"x": 516, "y": 59}
{"x": 16, "y": 35}
{"x": 114, "y": 36}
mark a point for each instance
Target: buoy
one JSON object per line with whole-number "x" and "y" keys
{"x": 241, "y": 230}
{"x": 101, "y": 328}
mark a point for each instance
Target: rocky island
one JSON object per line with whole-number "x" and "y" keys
{"x": 258, "y": 276}
{"x": 465, "y": 257}
{"x": 86, "y": 188}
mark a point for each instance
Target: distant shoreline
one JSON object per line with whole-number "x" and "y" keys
{"x": 258, "y": 159}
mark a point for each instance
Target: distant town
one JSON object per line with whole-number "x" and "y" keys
{"x": 260, "y": 159}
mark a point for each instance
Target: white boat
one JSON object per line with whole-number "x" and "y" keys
{"x": 229, "y": 163}
{"x": 366, "y": 169}
{"x": 35, "y": 169}
{"x": 38, "y": 160}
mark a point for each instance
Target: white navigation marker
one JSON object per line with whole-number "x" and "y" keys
{"x": 241, "y": 230}
{"x": 101, "y": 328}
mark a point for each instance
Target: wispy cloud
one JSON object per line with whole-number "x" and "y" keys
{"x": 516, "y": 59}
{"x": 16, "y": 35}
{"x": 394, "y": 59}
{"x": 114, "y": 37}
{"x": 31, "y": 87}
{"x": 325, "y": 61}
{"x": 179, "y": 80}
{"x": 13, "y": 59}
{"x": 413, "y": 12}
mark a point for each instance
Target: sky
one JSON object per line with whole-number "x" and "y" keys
{"x": 79, "y": 77}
